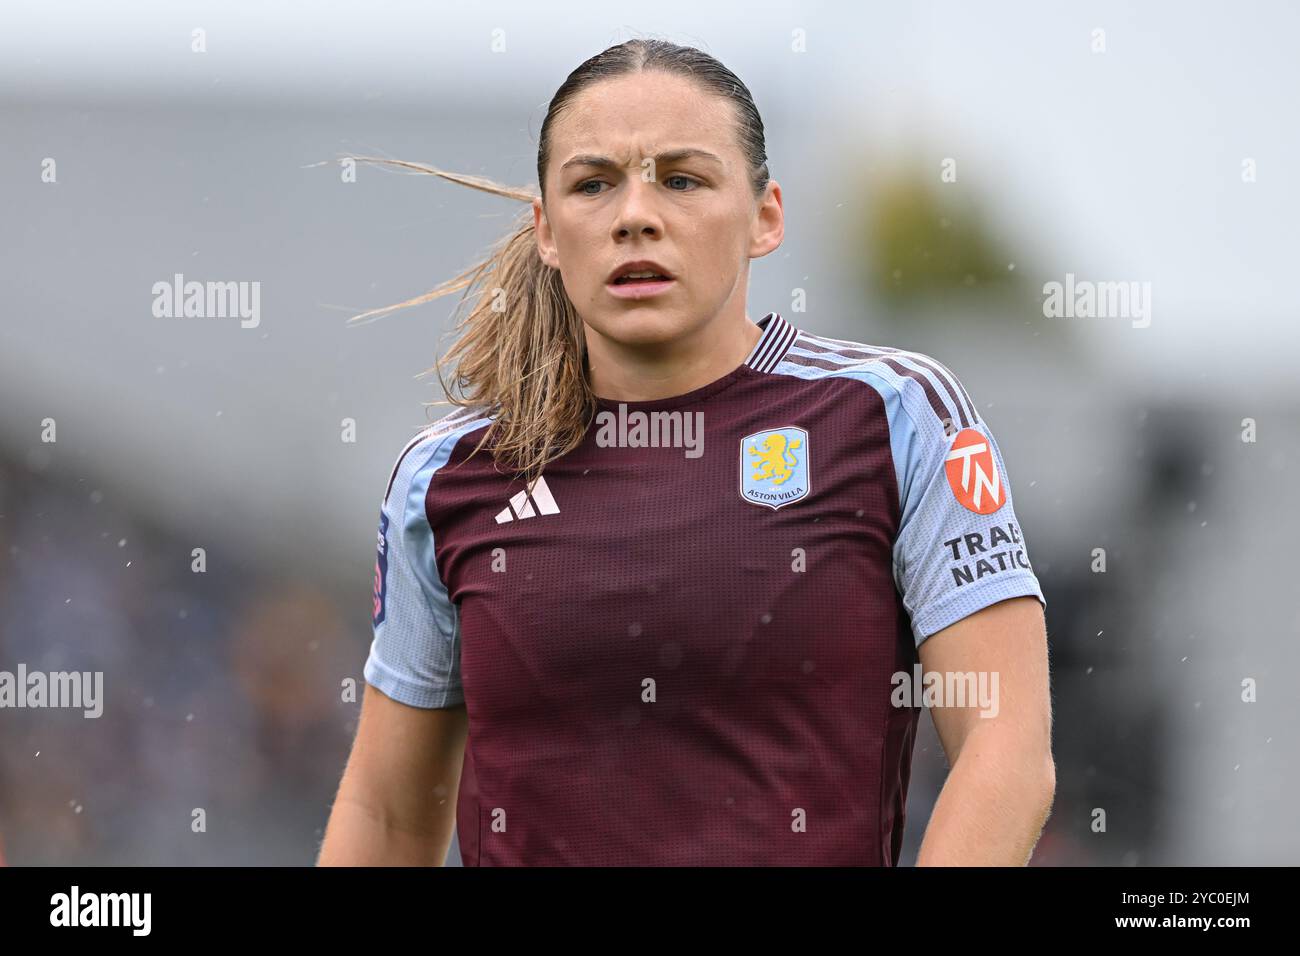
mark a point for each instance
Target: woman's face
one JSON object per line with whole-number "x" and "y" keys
{"x": 648, "y": 167}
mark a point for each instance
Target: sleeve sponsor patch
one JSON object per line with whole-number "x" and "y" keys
{"x": 973, "y": 474}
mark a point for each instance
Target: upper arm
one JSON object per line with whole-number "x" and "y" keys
{"x": 1005, "y": 645}
{"x": 406, "y": 762}
{"x": 413, "y": 720}
{"x": 962, "y": 566}
{"x": 960, "y": 547}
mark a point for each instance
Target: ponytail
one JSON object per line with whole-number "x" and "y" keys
{"x": 520, "y": 352}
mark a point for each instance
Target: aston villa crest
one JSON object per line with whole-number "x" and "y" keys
{"x": 774, "y": 467}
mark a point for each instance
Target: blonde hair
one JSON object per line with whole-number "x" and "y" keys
{"x": 520, "y": 353}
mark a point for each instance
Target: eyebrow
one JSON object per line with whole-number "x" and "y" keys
{"x": 668, "y": 156}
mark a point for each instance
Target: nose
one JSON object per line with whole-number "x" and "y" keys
{"x": 636, "y": 214}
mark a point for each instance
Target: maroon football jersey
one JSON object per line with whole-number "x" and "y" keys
{"x": 678, "y": 646}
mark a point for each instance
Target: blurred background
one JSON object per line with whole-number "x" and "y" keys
{"x": 941, "y": 163}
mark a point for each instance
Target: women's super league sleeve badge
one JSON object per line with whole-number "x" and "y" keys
{"x": 381, "y": 569}
{"x": 774, "y": 467}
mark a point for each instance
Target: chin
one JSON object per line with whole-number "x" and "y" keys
{"x": 646, "y": 325}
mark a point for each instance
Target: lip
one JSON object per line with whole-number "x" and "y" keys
{"x": 642, "y": 289}
{"x": 639, "y": 290}
{"x": 638, "y": 265}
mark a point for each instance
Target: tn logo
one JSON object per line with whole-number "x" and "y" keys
{"x": 973, "y": 474}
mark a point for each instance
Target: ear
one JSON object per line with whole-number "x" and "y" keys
{"x": 545, "y": 239}
{"x": 767, "y": 228}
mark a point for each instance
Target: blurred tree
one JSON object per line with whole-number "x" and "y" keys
{"x": 925, "y": 238}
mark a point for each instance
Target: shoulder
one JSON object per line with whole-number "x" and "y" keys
{"x": 914, "y": 386}
{"x": 433, "y": 441}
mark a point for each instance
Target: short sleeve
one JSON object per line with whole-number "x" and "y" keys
{"x": 960, "y": 547}
{"x": 415, "y": 655}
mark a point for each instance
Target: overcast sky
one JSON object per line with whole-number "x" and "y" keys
{"x": 1126, "y": 163}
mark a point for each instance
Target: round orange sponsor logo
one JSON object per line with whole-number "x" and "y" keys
{"x": 973, "y": 474}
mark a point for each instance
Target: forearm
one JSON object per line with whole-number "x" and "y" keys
{"x": 993, "y": 806}
{"x": 359, "y": 834}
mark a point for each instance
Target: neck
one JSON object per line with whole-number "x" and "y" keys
{"x": 638, "y": 373}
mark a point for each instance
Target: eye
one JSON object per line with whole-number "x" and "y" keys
{"x": 582, "y": 186}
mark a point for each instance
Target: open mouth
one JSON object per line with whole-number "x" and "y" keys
{"x": 639, "y": 279}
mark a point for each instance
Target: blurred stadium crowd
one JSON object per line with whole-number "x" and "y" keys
{"x": 223, "y": 690}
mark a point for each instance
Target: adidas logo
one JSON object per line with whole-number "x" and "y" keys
{"x": 534, "y": 500}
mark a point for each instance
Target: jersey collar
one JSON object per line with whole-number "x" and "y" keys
{"x": 778, "y": 336}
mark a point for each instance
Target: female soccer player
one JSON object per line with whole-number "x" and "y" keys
{"x": 660, "y": 584}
